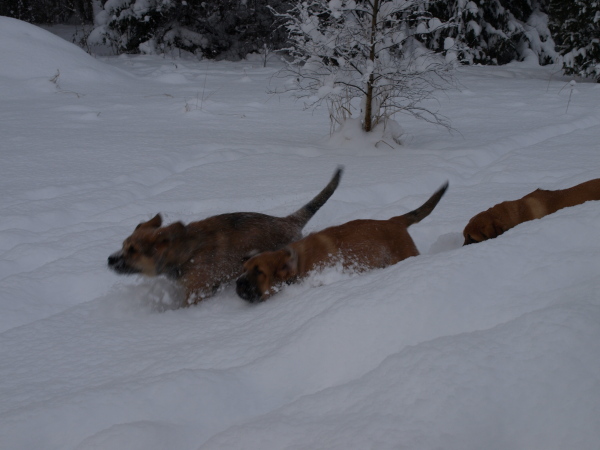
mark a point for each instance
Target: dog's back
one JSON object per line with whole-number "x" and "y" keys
{"x": 366, "y": 243}
{"x": 541, "y": 202}
{"x": 576, "y": 195}
{"x": 243, "y": 232}
{"x": 372, "y": 243}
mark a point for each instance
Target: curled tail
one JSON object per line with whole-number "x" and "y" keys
{"x": 424, "y": 210}
{"x": 303, "y": 215}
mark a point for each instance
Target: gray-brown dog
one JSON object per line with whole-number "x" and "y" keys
{"x": 535, "y": 205}
{"x": 359, "y": 245}
{"x": 204, "y": 255}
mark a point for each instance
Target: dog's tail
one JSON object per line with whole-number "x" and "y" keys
{"x": 424, "y": 210}
{"x": 303, "y": 215}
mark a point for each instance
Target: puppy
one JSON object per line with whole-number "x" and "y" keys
{"x": 359, "y": 245}
{"x": 539, "y": 203}
{"x": 204, "y": 255}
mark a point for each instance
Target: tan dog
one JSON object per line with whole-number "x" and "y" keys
{"x": 539, "y": 203}
{"x": 206, "y": 254}
{"x": 359, "y": 245}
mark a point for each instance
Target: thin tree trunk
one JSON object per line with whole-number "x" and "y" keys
{"x": 368, "y": 122}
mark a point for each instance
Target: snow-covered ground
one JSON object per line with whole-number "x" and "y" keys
{"x": 493, "y": 346}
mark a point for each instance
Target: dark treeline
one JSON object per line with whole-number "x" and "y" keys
{"x": 483, "y": 31}
{"x": 49, "y": 11}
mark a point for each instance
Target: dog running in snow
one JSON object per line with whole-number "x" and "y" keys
{"x": 204, "y": 255}
{"x": 359, "y": 245}
{"x": 535, "y": 205}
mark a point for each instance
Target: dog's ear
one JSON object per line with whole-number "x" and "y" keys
{"x": 155, "y": 222}
{"x": 289, "y": 266}
{"x": 251, "y": 254}
{"x": 174, "y": 231}
{"x": 166, "y": 249}
{"x": 469, "y": 239}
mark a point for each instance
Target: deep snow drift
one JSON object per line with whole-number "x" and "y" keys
{"x": 490, "y": 346}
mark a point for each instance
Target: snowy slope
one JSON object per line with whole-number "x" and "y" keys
{"x": 492, "y": 346}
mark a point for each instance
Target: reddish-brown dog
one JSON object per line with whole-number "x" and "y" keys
{"x": 539, "y": 203}
{"x": 206, "y": 254}
{"x": 360, "y": 245}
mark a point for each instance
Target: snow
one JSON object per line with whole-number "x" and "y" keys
{"x": 472, "y": 8}
{"x": 493, "y": 345}
{"x": 474, "y": 27}
{"x": 40, "y": 56}
{"x": 448, "y": 43}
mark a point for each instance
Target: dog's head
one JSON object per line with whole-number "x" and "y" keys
{"x": 266, "y": 271}
{"x": 150, "y": 250}
{"x": 483, "y": 226}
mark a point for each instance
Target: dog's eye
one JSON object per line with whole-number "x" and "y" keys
{"x": 131, "y": 251}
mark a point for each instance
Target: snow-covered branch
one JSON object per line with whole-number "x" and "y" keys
{"x": 364, "y": 55}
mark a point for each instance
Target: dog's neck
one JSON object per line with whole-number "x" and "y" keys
{"x": 182, "y": 254}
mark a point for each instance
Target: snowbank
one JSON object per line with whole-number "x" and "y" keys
{"x": 43, "y": 61}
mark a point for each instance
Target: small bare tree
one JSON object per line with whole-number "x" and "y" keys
{"x": 363, "y": 55}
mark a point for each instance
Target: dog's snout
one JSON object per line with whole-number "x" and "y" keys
{"x": 117, "y": 262}
{"x": 245, "y": 290}
{"x": 114, "y": 259}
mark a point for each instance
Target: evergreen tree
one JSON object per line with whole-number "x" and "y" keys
{"x": 211, "y": 28}
{"x": 576, "y": 27}
{"x": 48, "y": 11}
{"x": 493, "y": 31}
